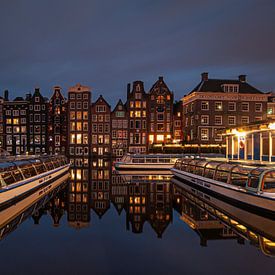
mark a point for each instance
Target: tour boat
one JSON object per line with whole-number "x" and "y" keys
{"x": 252, "y": 187}
{"x": 20, "y": 178}
{"x": 147, "y": 162}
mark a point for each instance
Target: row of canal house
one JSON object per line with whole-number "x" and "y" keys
{"x": 81, "y": 128}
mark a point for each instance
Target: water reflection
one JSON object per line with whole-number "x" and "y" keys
{"x": 147, "y": 199}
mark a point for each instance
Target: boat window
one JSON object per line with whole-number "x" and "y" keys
{"x": 28, "y": 170}
{"x": 17, "y": 175}
{"x": 138, "y": 160}
{"x": 199, "y": 168}
{"x": 49, "y": 165}
{"x": 7, "y": 177}
{"x": 40, "y": 168}
{"x": 268, "y": 184}
{"x": 239, "y": 175}
{"x": 210, "y": 169}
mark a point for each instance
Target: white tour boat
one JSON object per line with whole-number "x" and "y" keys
{"x": 147, "y": 162}
{"x": 20, "y": 178}
{"x": 252, "y": 187}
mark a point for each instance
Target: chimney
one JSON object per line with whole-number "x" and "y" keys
{"x": 6, "y": 95}
{"x": 204, "y": 76}
{"x": 242, "y": 78}
{"x": 128, "y": 89}
{"x": 160, "y": 78}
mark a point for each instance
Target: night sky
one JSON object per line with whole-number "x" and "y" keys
{"x": 106, "y": 44}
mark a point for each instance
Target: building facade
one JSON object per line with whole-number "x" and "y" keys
{"x": 79, "y": 98}
{"x": 217, "y": 104}
{"x": 1, "y": 124}
{"x": 37, "y": 122}
{"x": 177, "y": 122}
{"x": 15, "y": 126}
{"x": 120, "y": 130}
{"x": 57, "y": 123}
{"x": 101, "y": 128}
{"x": 137, "y": 106}
{"x": 160, "y": 101}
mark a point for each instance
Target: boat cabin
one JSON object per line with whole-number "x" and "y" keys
{"x": 158, "y": 158}
{"x": 14, "y": 171}
{"x": 252, "y": 178}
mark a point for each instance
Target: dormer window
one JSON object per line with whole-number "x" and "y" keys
{"x": 230, "y": 88}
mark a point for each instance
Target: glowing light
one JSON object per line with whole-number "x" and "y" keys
{"x": 271, "y": 126}
{"x": 238, "y": 134}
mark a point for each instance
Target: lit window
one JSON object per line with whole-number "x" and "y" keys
{"x": 204, "y": 120}
{"x": 218, "y": 106}
{"x": 205, "y": 105}
{"x": 160, "y": 137}
{"x": 204, "y": 134}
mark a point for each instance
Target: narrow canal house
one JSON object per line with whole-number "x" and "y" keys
{"x": 57, "y": 123}
{"x": 37, "y": 123}
{"x": 79, "y": 124}
{"x": 15, "y": 125}
{"x": 137, "y": 106}
{"x": 216, "y": 104}
{"x": 101, "y": 128}
{"x": 120, "y": 130}
{"x": 160, "y": 101}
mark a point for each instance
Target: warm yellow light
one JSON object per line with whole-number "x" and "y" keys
{"x": 271, "y": 126}
{"x": 168, "y": 136}
{"x": 238, "y": 134}
{"x": 160, "y": 138}
{"x": 151, "y": 138}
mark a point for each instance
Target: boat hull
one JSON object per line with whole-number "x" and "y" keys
{"x": 250, "y": 200}
{"x": 23, "y": 189}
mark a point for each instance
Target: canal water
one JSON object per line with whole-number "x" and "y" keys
{"x": 102, "y": 222}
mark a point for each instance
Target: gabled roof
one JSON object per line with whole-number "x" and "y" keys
{"x": 118, "y": 104}
{"x": 215, "y": 85}
{"x": 160, "y": 84}
{"x": 103, "y": 99}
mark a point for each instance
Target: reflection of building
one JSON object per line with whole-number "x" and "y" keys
{"x": 37, "y": 122}
{"x": 78, "y": 198}
{"x": 100, "y": 186}
{"x": 216, "y": 104}
{"x": 137, "y": 206}
{"x": 160, "y": 112}
{"x": 57, "y": 123}
{"x": 15, "y": 125}
{"x": 56, "y": 208}
{"x": 101, "y": 127}
{"x": 207, "y": 226}
{"x": 160, "y": 205}
{"x": 137, "y": 108}
{"x": 79, "y": 124}
{"x": 119, "y": 192}
{"x": 120, "y": 125}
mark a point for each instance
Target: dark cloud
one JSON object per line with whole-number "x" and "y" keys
{"x": 105, "y": 44}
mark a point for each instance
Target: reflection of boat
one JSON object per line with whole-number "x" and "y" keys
{"x": 19, "y": 179}
{"x": 147, "y": 162}
{"x": 259, "y": 230}
{"x": 248, "y": 186}
{"x": 14, "y": 215}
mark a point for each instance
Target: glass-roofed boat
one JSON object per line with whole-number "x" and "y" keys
{"x": 147, "y": 162}
{"x": 252, "y": 187}
{"x": 20, "y": 178}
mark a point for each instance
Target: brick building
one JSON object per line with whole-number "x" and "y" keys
{"x": 177, "y": 122}
{"x": 216, "y": 104}
{"x": 160, "y": 101}
{"x": 1, "y": 124}
{"x": 101, "y": 128}
{"x": 79, "y": 98}
{"x": 137, "y": 107}
{"x": 57, "y": 123}
{"x": 15, "y": 125}
{"x": 37, "y": 122}
{"x": 120, "y": 131}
